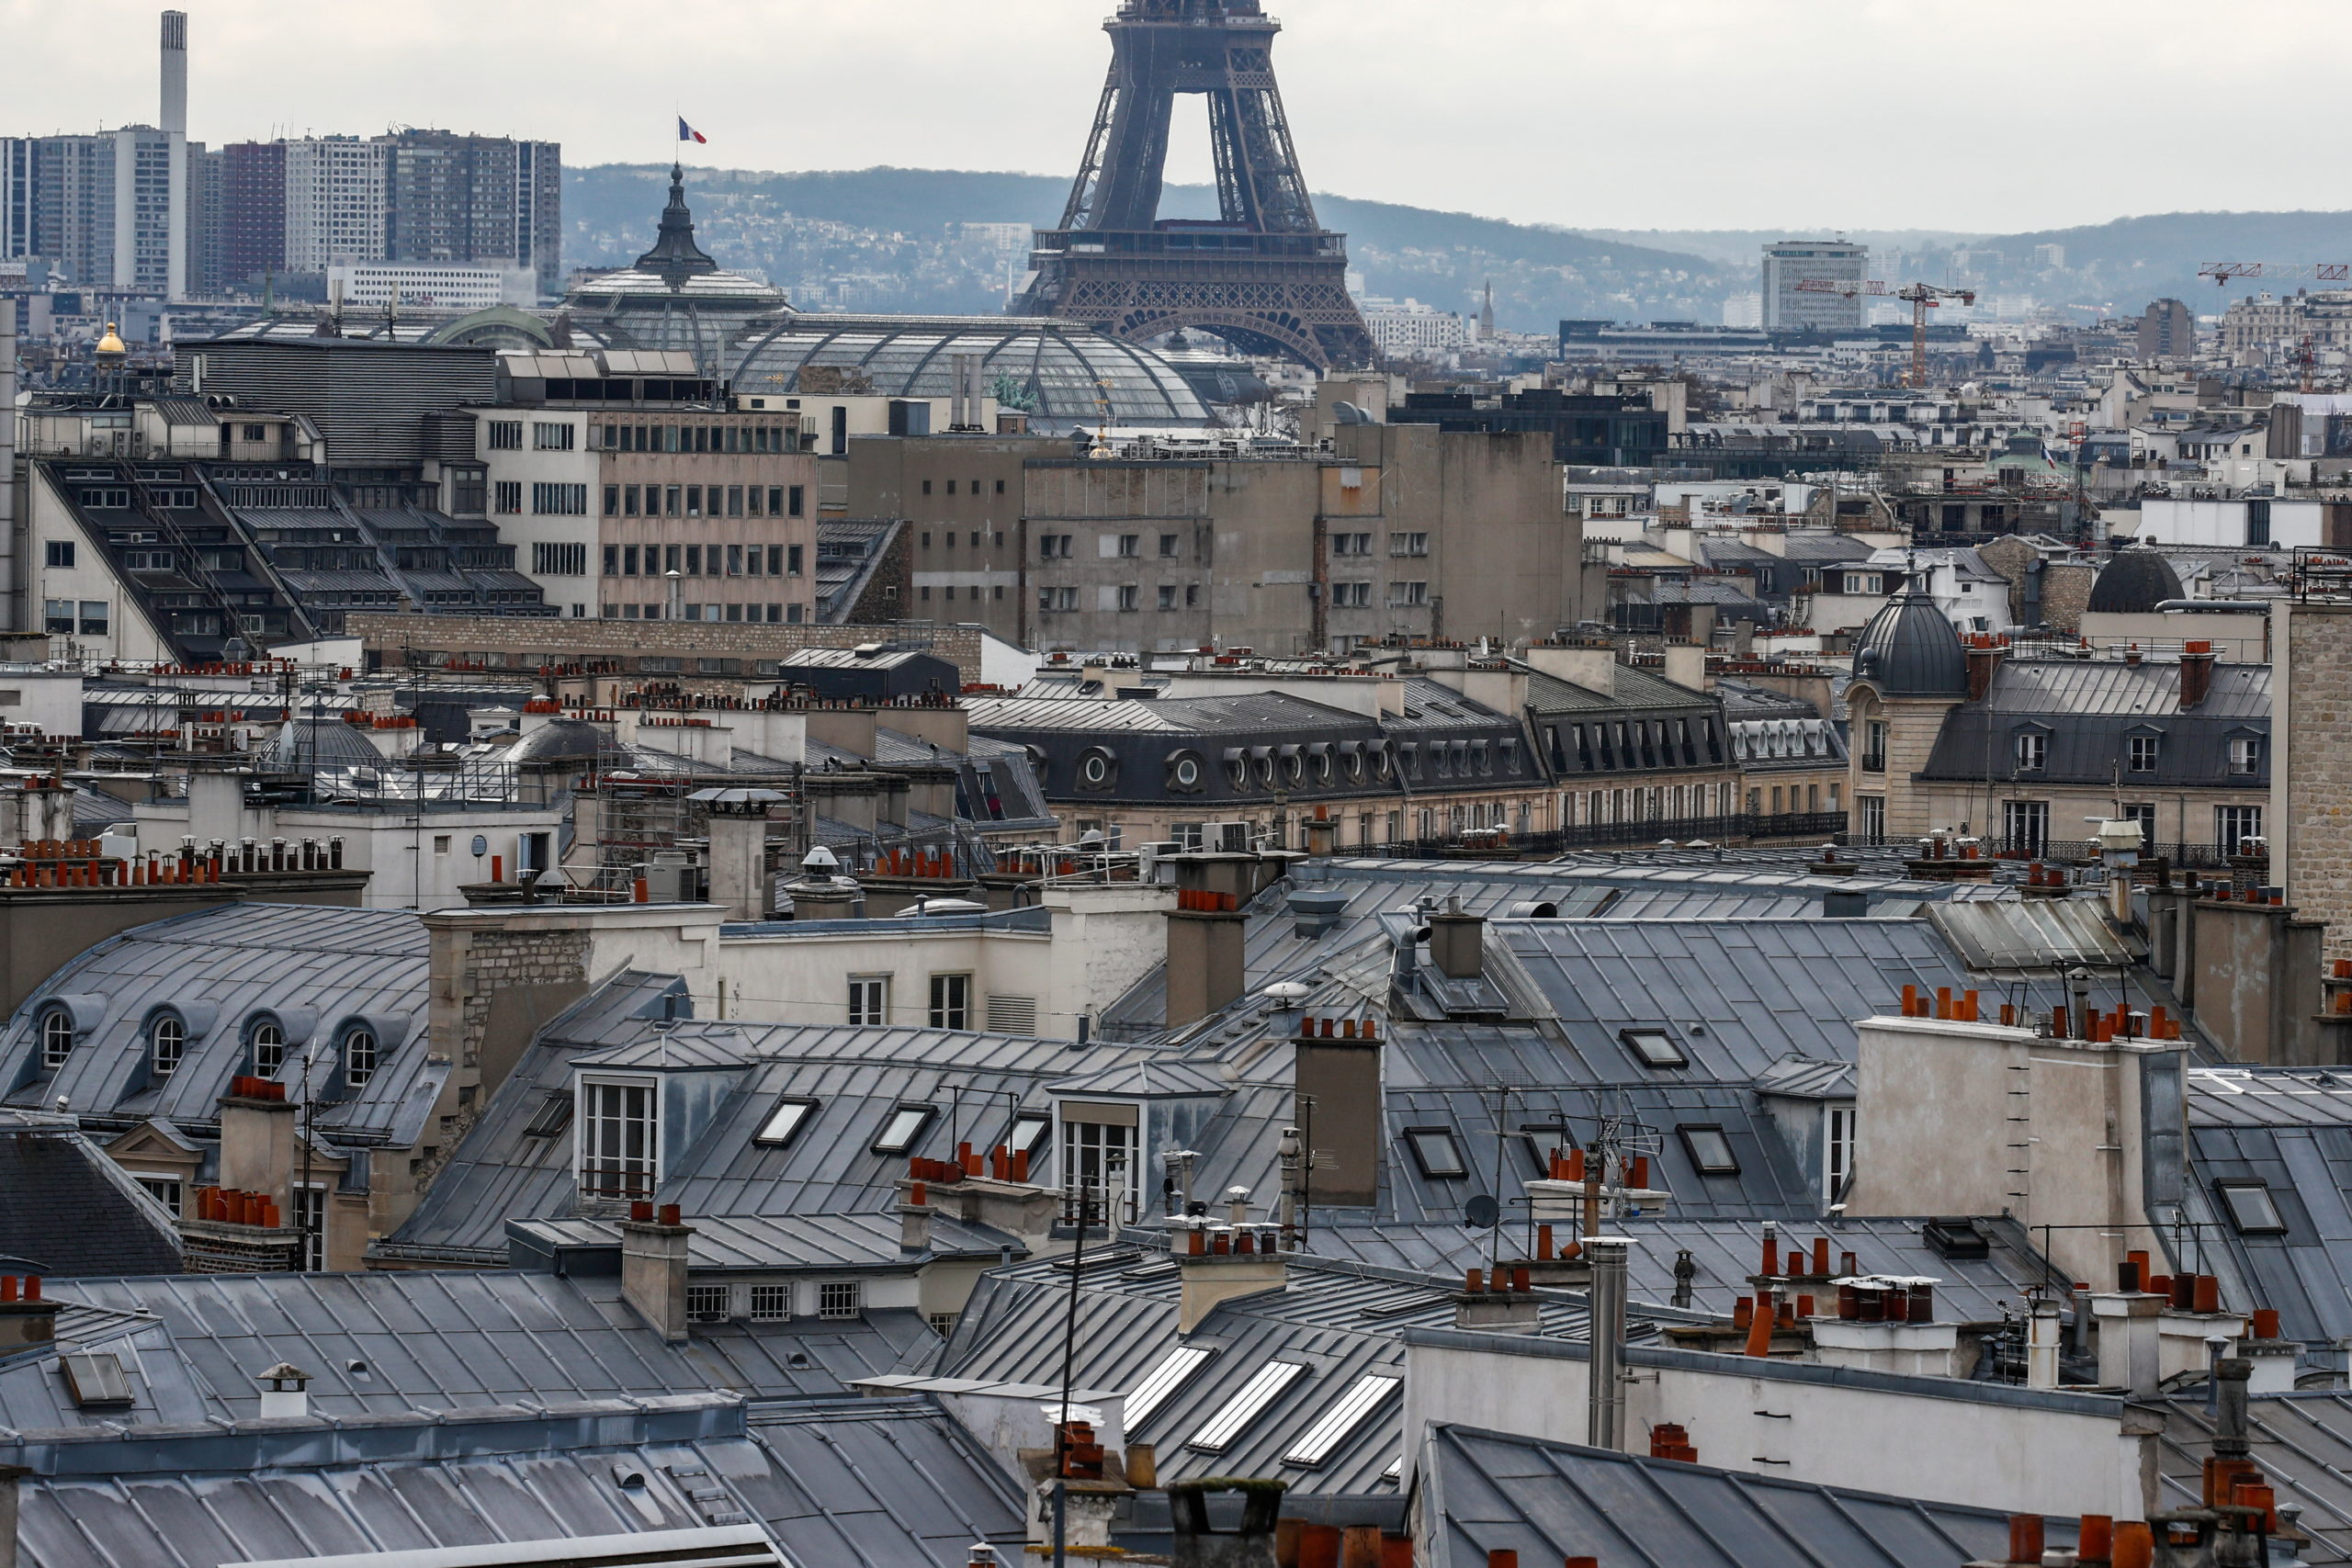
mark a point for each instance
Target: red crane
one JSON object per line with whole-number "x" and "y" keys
{"x": 1921, "y": 297}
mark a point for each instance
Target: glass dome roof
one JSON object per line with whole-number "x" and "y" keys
{"x": 1071, "y": 375}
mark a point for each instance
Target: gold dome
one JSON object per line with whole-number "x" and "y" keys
{"x": 112, "y": 343}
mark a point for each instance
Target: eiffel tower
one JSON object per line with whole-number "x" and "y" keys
{"x": 1263, "y": 275}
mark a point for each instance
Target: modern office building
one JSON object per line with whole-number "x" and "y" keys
{"x": 1789, "y": 308}
{"x": 334, "y": 201}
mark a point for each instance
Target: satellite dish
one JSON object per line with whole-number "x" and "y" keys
{"x": 1481, "y": 1212}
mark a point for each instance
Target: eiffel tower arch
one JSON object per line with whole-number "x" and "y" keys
{"x": 1263, "y": 274}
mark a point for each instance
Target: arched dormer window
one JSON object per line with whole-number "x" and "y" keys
{"x": 56, "y": 1038}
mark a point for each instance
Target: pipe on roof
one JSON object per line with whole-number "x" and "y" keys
{"x": 2203, "y": 605}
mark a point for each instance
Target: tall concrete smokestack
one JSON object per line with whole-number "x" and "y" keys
{"x": 175, "y": 105}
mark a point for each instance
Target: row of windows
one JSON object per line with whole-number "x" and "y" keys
{"x": 974, "y": 487}
{"x": 696, "y": 560}
{"x": 2025, "y": 824}
{"x": 506, "y": 435}
{"x": 2031, "y": 751}
{"x": 789, "y": 615}
{"x": 167, "y": 1046}
{"x": 711, "y": 438}
{"x": 1616, "y": 745}
{"x": 71, "y": 617}
{"x": 554, "y": 559}
{"x": 688, "y": 500}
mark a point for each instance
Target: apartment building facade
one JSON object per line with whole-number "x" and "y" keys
{"x": 655, "y": 513}
{"x": 1385, "y": 530}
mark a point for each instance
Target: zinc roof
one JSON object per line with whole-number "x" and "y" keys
{"x": 1492, "y": 1491}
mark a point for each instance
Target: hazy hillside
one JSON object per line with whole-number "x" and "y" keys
{"x": 877, "y": 239}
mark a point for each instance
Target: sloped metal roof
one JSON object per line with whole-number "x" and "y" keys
{"x": 1492, "y": 1491}
{"x": 394, "y": 1341}
{"x": 883, "y": 1483}
{"x": 1340, "y": 1321}
{"x": 2304, "y": 1442}
{"x": 316, "y": 968}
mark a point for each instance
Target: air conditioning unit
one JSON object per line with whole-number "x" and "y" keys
{"x": 1148, "y": 859}
{"x": 1225, "y": 838}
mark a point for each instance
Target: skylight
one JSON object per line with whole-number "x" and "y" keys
{"x": 2251, "y": 1207}
{"x": 783, "y": 1123}
{"x": 900, "y": 1132}
{"x": 1162, "y": 1381}
{"x": 94, "y": 1378}
{"x": 1341, "y": 1421}
{"x": 1656, "y": 1047}
{"x": 552, "y": 1117}
{"x": 1435, "y": 1152}
{"x": 1246, "y": 1406}
{"x": 1708, "y": 1150}
{"x": 1029, "y": 1129}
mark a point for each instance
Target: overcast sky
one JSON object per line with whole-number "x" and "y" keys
{"x": 1994, "y": 116}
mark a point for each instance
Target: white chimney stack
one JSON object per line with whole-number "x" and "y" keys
{"x": 175, "y": 105}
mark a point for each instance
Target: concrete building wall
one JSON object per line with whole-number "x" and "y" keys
{"x": 963, "y": 499}
{"x": 2310, "y": 819}
{"x": 1979, "y": 1118}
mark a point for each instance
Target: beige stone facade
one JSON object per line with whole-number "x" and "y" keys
{"x": 2310, "y": 776}
{"x": 724, "y": 507}
{"x": 1892, "y": 739}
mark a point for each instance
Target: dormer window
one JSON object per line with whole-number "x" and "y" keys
{"x": 2245, "y": 755}
{"x": 268, "y": 1042}
{"x": 2032, "y": 749}
{"x": 167, "y": 1042}
{"x": 358, "y": 1056}
{"x": 619, "y": 1138}
{"x": 56, "y": 1038}
{"x": 2140, "y": 754}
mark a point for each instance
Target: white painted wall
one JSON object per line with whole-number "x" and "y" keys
{"x": 1908, "y": 1437}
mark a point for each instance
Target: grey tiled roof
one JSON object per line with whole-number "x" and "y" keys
{"x": 2304, "y": 1442}
{"x": 67, "y": 1209}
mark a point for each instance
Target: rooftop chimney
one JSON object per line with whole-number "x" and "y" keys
{"x": 285, "y": 1393}
{"x": 1605, "y": 1423}
{"x": 26, "y": 1317}
{"x": 1198, "y": 1546}
{"x": 653, "y": 1266}
{"x": 1204, "y": 930}
{"x": 1984, "y": 658}
{"x": 2196, "y": 673}
{"x": 1217, "y": 1262}
{"x": 1457, "y": 942}
{"x": 175, "y": 105}
{"x": 1336, "y": 1079}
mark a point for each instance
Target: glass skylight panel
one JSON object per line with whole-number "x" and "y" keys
{"x": 1710, "y": 1150}
{"x": 783, "y": 1123}
{"x": 2252, "y": 1208}
{"x": 552, "y": 1117}
{"x": 96, "y": 1377}
{"x": 898, "y": 1133}
{"x": 1262, "y": 1389}
{"x": 1435, "y": 1151}
{"x": 1656, "y": 1047}
{"x": 1029, "y": 1129}
{"x": 1162, "y": 1381}
{"x": 1341, "y": 1421}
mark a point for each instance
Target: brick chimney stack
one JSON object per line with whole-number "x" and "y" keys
{"x": 2196, "y": 673}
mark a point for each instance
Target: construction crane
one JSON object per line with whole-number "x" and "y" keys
{"x": 1921, "y": 297}
{"x": 2322, "y": 271}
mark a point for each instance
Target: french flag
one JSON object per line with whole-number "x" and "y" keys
{"x": 688, "y": 133}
